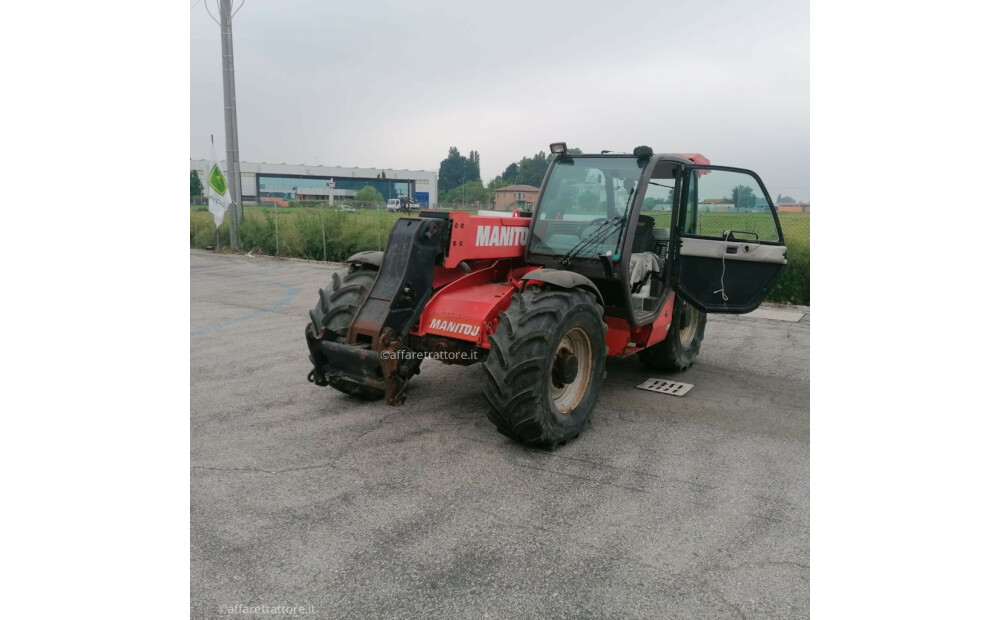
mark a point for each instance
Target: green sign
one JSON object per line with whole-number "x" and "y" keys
{"x": 217, "y": 180}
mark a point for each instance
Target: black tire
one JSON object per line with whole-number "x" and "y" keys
{"x": 680, "y": 348}
{"x": 535, "y": 398}
{"x": 338, "y": 304}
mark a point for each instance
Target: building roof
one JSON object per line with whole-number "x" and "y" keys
{"x": 518, "y": 188}
{"x": 322, "y": 171}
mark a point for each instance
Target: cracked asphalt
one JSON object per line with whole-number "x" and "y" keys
{"x": 665, "y": 507}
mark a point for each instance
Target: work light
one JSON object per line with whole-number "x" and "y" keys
{"x": 642, "y": 152}
{"x": 558, "y": 148}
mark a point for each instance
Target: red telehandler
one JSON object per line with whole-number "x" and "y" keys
{"x": 542, "y": 299}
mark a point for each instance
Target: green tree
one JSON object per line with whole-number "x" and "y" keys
{"x": 657, "y": 203}
{"x": 472, "y": 168}
{"x": 510, "y": 173}
{"x": 531, "y": 171}
{"x": 196, "y": 187}
{"x": 369, "y": 194}
{"x": 498, "y": 182}
{"x": 467, "y": 193}
{"x": 743, "y": 198}
{"x": 457, "y": 170}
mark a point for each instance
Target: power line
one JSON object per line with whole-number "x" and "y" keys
{"x": 210, "y": 13}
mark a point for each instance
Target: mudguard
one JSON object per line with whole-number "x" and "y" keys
{"x": 371, "y": 257}
{"x": 564, "y": 279}
{"x": 466, "y": 308}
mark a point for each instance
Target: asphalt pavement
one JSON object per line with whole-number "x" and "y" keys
{"x": 317, "y": 505}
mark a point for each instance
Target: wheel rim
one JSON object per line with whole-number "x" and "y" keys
{"x": 689, "y": 325}
{"x": 574, "y": 352}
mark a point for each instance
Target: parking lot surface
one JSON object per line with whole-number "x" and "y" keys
{"x": 665, "y": 507}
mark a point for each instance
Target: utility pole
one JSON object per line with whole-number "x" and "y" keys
{"x": 232, "y": 140}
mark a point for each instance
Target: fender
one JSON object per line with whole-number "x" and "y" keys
{"x": 368, "y": 258}
{"x": 564, "y": 279}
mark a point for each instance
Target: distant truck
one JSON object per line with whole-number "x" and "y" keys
{"x": 403, "y": 203}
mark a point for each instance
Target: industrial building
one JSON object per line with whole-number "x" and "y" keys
{"x": 264, "y": 182}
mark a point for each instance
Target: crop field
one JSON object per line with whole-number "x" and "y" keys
{"x": 333, "y": 235}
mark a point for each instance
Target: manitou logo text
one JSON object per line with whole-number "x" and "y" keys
{"x": 501, "y": 236}
{"x": 463, "y": 329}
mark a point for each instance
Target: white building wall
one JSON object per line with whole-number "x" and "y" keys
{"x": 424, "y": 180}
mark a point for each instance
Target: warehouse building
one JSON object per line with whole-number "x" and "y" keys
{"x": 264, "y": 182}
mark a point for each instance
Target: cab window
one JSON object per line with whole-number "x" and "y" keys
{"x": 722, "y": 200}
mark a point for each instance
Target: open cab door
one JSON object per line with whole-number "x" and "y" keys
{"x": 727, "y": 249}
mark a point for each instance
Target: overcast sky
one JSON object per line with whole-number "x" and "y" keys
{"x": 394, "y": 84}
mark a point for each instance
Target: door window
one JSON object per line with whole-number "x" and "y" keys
{"x": 727, "y": 200}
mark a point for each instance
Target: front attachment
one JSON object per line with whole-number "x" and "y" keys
{"x": 374, "y": 355}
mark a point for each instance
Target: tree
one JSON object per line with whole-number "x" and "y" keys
{"x": 510, "y": 173}
{"x": 657, "y": 203}
{"x": 743, "y": 198}
{"x": 531, "y": 171}
{"x": 473, "y": 191}
{"x": 498, "y": 182}
{"x": 369, "y": 194}
{"x": 472, "y": 167}
{"x": 785, "y": 199}
{"x": 457, "y": 170}
{"x": 196, "y": 186}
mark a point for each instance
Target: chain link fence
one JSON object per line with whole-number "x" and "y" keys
{"x": 319, "y": 231}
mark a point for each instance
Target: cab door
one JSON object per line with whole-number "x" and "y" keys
{"x": 729, "y": 250}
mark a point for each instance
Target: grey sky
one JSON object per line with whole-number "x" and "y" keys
{"x": 394, "y": 84}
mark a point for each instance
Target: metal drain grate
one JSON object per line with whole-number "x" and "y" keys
{"x": 662, "y": 386}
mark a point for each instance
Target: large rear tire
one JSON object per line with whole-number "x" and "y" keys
{"x": 337, "y": 306}
{"x": 546, "y": 365}
{"x": 683, "y": 342}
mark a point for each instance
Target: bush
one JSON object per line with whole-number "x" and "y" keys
{"x": 793, "y": 286}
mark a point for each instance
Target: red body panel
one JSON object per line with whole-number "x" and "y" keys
{"x": 466, "y": 306}
{"x": 483, "y": 236}
{"x": 621, "y": 334}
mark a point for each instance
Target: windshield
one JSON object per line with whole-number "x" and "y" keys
{"x": 581, "y": 195}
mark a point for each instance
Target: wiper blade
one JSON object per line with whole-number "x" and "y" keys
{"x": 598, "y": 235}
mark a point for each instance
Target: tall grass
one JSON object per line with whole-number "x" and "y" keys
{"x": 300, "y": 233}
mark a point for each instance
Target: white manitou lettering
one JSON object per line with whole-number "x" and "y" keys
{"x": 501, "y": 236}
{"x": 455, "y": 327}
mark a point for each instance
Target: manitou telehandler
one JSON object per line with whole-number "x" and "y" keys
{"x": 542, "y": 299}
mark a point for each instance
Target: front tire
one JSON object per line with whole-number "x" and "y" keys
{"x": 546, "y": 365}
{"x": 338, "y": 304}
{"x": 683, "y": 342}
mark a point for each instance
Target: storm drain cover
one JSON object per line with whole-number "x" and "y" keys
{"x": 662, "y": 386}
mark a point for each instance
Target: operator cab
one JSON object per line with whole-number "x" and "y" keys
{"x": 614, "y": 218}
{"x": 584, "y": 221}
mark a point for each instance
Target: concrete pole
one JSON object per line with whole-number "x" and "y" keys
{"x": 232, "y": 141}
